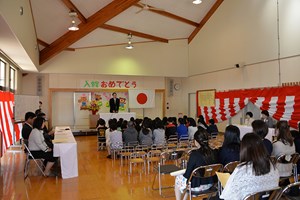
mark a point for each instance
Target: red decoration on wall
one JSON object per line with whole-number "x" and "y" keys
{"x": 283, "y": 103}
{"x": 7, "y": 126}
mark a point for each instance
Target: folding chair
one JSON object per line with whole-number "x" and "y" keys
{"x": 163, "y": 168}
{"x": 284, "y": 193}
{"x": 228, "y": 168}
{"x": 115, "y": 148}
{"x": 125, "y": 152}
{"x": 29, "y": 157}
{"x": 204, "y": 172}
{"x": 289, "y": 159}
{"x": 101, "y": 140}
{"x": 271, "y": 194}
{"x": 135, "y": 158}
{"x": 152, "y": 157}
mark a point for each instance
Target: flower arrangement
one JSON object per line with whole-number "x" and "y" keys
{"x": 94, "y": 106}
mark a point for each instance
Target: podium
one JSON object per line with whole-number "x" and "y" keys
{"x": 93, "y": 121}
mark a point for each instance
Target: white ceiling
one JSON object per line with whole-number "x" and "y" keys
{"x": 52, "y": 20}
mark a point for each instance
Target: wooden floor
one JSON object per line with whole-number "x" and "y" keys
{"x": 99, "y": 178}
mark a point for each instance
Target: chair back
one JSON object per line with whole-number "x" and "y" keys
{"x": 229, "y": 167}
{"x": 206, "y": 171}
{"x": 291, "y": 187}
{"x": 142, "y": 148}
{"x": 271, "y": 194}
{"x": 101, "y": 132}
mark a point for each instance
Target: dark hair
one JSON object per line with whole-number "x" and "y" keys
{"x": 284, "y": 133}
{"x": 254, "y": 152}
{"x": 191, "y": 121}
{"x": 159, "y": 124}
{"x": 212, "y": 121}
{"x": 249, "y": 113}
{"x": 29, "y": 115}
{"x": 201, "y": 136}
{"x": 146, "y": 126}
{"x": 232, "y": 137}
{"x": 41, "y": 114}
{"x": 260, "y": 128}
{"x": 265, "y": 112}
{"x": 181, "y": 121}
{"x": 38, "y": 111}
{"x": 38, "y": 122}
{"x": 101, "y": 122}
{"x": 114, "y": 93}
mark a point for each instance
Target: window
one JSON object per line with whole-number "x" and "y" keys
{"x": 12, "y": 78}
{"x": 2, "y": 74}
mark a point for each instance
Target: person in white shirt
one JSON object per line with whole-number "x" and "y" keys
{"x": 38, "y": 146}
{"x": 255, "y": 173}
{"x": 249, "y": 118}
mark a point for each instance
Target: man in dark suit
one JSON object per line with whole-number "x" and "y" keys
{"x": 27, "y": 126}
{"x": 114, "y": 103}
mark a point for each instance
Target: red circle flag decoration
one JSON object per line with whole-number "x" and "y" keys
{"x": 141, "y": 98}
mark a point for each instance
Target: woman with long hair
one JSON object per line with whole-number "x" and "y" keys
{"x": 202, "y": 156}
{"x": 284, "y": 146}
{"x": 255, "y": 173}
{"x": 230, "y": 150}
{"x": 145, "y": 135}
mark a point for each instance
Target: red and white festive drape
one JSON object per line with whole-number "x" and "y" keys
{"x": 7, "y": 127}
{"x": 283, "y": 103}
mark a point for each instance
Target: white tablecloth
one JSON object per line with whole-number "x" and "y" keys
{"x": 248, "y": 129}
{"x": 65, "y": 147}
{"x": 125, "y": 116}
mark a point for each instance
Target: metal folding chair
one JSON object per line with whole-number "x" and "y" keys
{"x": 204, "y": 172}
{"x": 271, "y": 194}
{"x": 29, "y": 157}
{"x": 164, "y": 167}
{"x": 284, "y": 193}
{"x": 101, "y": 140}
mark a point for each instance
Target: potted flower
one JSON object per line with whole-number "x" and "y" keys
{"x": 93, "y": 106}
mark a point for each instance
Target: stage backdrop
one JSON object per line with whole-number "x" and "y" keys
{"x": 99, "y": 101}
{"x": 283, "y": 103}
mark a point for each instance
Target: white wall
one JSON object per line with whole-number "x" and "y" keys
{"x": 241, "y": 31}
{"x": 245, "y": 32}
{"x": 147, "y": 59}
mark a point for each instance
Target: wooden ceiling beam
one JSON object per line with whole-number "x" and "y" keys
{"x": 72, "y": 7}
{"x": 205, "y": 19}
{"x": 170, "y": 15}
{"x": 135, "y": 33}
{"x": 44, "y": 44}
{"x": 100, "y": 17}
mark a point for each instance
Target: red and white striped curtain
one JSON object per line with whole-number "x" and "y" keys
{"x": 7, "y": 127}
{"x": 283, "y": 103}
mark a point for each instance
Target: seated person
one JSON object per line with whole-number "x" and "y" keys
{"x": 130, "y": 134}
{"x": 145, "y": 135}
{"x": 283, "y": 146}
{"x": 265, "y": 116}
{"x": 171, "y": 129}
{"x": 113, "y": 137}
{"x": 212, "y": 128}
{"x": 192, "y": 128}
{"x": 159, "y": 136}
{"x": 101, "y": 128}
{"x": 255, "y": 173}
{"x": 201, "y": 122}
{"x": 230, "y": 150}
{"x": 27, "y": 126}
{"x": 260, "y": 128}
{"x": 48, "y": 135}
{"x": 202, "y": 156}
{"x": 38, "y": 147}
{"x": 249, "y": 118}
{"x": 182, "y": 130}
